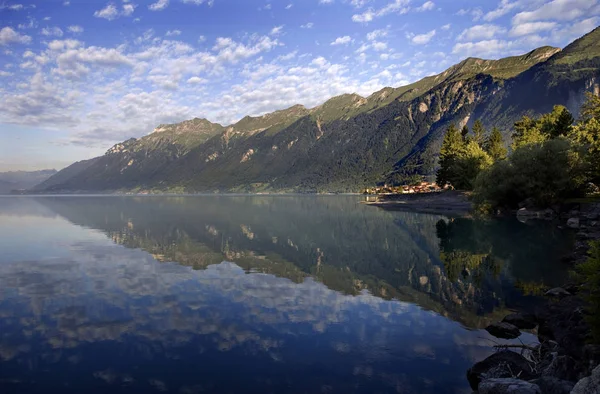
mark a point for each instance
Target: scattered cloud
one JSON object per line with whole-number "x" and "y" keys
{"x": 173, "y": 33}
{"x": 503, "y": 8}
{"x": 397, "y": 6}
{"x": 75, "y": 29}
{"x": 524, "y": 29}
{"x": 308, "y": 25}
{"x": 561, "y": 10}
{"x": 52, "y": 31}
{"x": 276, "y": 30}
{"x": 446, "y": 27}
{"x": 159, "y": 5}
{"x": 422, "y": 39}
{"x": 427, "y": 6}
{"x": 480, "y": 32}
{"x": 109, "y": 12}
{"x": 9, "y": 36}
{"x": 345, "y": 40}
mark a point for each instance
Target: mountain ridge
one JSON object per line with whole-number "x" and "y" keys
{"x": 348, "y": 141}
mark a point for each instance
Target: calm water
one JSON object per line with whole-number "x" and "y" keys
{"x": 253, "y": 294}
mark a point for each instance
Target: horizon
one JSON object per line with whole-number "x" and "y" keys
{"x": 82, "y": 76}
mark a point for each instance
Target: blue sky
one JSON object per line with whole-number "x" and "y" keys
{"x": 77, "y": 76}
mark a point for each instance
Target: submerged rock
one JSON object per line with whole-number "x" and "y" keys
{"x": 508, "y": 386}
{"x": 503, "y": 364}
{"x": 503, "y": 330}
{"x": 573, "y": 223}
{"x": 588, "y": 385}
{"x": 524, "y": 321}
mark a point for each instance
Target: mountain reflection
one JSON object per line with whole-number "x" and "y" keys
{"x": 461, "y": 268}
{"x": 286, "y": 294}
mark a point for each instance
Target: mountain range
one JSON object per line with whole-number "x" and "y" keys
{"x": 349, "y": 141}
{"x": 22, "y": 180}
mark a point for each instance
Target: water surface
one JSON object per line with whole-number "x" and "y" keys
{"x": 265, "y": 294}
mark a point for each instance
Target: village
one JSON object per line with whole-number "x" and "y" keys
{"x": 422, "y": 187}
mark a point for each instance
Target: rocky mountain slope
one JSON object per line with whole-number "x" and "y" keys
{"x": 349, "y": 141}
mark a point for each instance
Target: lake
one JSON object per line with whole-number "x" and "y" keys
{"x": 256, "y": 294}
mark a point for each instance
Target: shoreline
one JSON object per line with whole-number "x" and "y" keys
{"x": 564, "y": 361}
{"x": 454, "y": 203}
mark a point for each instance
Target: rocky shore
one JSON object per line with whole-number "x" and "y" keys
{"x": 454, "y": 203}
{"x": 564, "y": 361}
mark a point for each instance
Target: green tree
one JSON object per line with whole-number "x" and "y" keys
{"x": 527, "y": 131}
{"x": 471, "y": 160}
{"x": 449, "y": 152}
{"x": 465, "y": 133}
{"x": 479, "y": 132}
{"x": 494, "y": 145}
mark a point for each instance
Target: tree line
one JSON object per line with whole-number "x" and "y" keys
{"x": 552, "y": 158}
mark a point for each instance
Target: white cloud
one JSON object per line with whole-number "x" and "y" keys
{"x": 375, "y": 34}
{"x": 397, "y": 6}
{"x": 503, "y": 8}
{"x": 325, "y": 1}
{"x": 201, "y": 38}
{"x": 379, "y": 46}
{"x": 11, "y": 7}
{"x": 173, "y": 33}
{"x": 66, "y": 3}
{"x": 159, "y": 5}
{"x": 422, "y": 39}
{"x": 308, "y": 25}
{"x": 47, "y": 18}
{"x": 196, "y": 80}
{"x": 128, "y": 9}
{"x": 287, "y": 7}
{"x": 563, "y": 10}
{"x": 9, "y": 36}
{"x": 52, "y": 31}
{"x": 342, "y": 40}
{"x": 446, "y": 27}
{"x": 427, "y": 6}
{"x": 480, "y": 32}
{"x": 524, "y": 29}
{"x": 276, "y": 30}
{"x": 109, "y": 12}
{"x": 75, "y": 29}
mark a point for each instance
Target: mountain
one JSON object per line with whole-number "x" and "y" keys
{"x": 22, "y": 180}
{"x": 349, "y": 141}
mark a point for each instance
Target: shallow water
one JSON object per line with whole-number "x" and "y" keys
{"x": 265, "y": 294}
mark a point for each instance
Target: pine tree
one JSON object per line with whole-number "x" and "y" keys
{"x": 451, "y": 146}
{"x": 479, "y": 132}
{"x": 494, "y": 145}
{"x": 465, "y": 133}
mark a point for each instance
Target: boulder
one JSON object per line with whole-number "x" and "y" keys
{"x": 503, "y": 330}
{"x": 508, "y": 386}
{"x": 552, "y": 385}
{"x": 503, "y": 364}
{"x": 557, "y": 292}
{"x": 588, "y": 385}
{"x": 524, "y": 321}
{"x": 573, "y": 223}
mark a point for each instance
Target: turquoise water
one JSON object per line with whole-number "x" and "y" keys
{"x": 265, "y": 294}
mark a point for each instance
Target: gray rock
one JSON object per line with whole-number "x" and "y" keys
{"x": 503, "y": 330}
{"x": 508, "y": 386}
{"x": 573, "y": 223}
{"x": 552, "y": 385}
{"x": 588, "y": 385}
{"x": 557, "y": 292}
{"x": 504, "y": 364}
{"x": 524, "y": 321}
